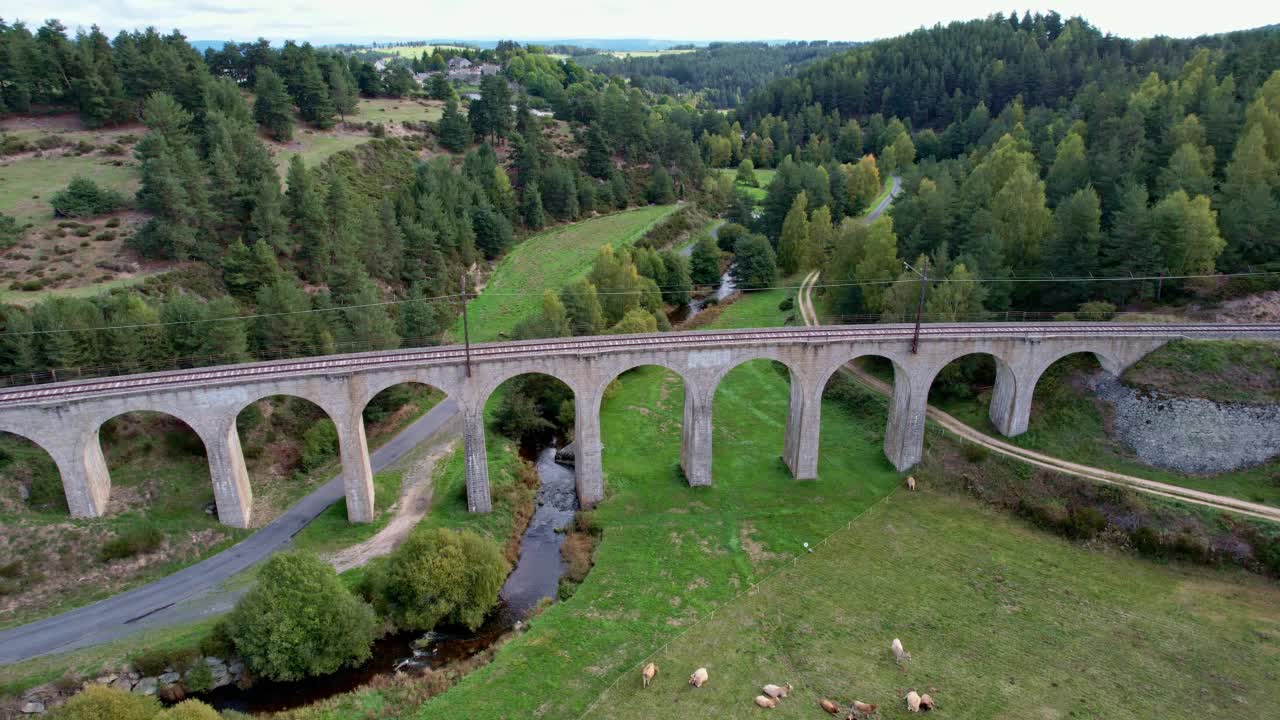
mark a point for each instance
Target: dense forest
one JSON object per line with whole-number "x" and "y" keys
{"x": 723, "y": 74}
{"x": 1027, "y": 146}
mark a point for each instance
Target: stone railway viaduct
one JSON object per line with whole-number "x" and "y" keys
{"x": 65, "y": 418}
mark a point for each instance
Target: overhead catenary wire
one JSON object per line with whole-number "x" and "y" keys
{"x": 644, "y": 291}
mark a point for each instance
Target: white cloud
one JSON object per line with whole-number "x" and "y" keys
{"x": 336, "y": 20}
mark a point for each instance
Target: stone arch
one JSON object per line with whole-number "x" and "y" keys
{"x": 908, "y": 400}
{"x": 1010, "y": 393}
{"x": 670, "y": 385}
{"x": 118, "y": 427}
{"x": 246, "y": 426}
{"x": 801, "y": 420}
{"x": 38, "y": 489}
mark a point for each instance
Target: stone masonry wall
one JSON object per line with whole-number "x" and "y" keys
{"x": 1190, "y": 435}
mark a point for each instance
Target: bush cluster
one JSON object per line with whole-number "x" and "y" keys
{"x": 84, "y": 198}
{"x": 100, "y": 702}
{"x": 134, "y": 541}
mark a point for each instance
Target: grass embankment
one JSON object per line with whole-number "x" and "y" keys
{"x": 1067, "y": 422}
{"x": 1227, "y": 371}
{"x": 28, "y": 184}
{"x": 549, "y": 261}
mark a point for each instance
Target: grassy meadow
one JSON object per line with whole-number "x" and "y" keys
{"x": 1004, "y": 620}
{"x": 549, "y": 261}
{"x": 28, "y": 184}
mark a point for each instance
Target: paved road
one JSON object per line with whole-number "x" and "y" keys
{"x": 177, "y": 597}
{"x": 884, "y": 204}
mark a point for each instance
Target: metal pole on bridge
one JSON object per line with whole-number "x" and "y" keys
{"x": 466, "y": 334}
{"x": 924, "y": 281}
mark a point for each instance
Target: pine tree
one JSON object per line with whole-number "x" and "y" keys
{"x": 1250, "y": 217}
{"x": 224, "y": 341}
{"x": 1186, "y": 171}
{"x": 267, "y": 222}
{"x": 660, "y": 191}
{"x": 755, "y": 266}
{"x": 342, "y": 88}
{"x": 419, "y": 318}
{"x": 314, "y": 103}
{"x": 455, "y": 132}
{"x": 531, "y": 211}
{"x": 1073, "y": 245}
{"x": 281, "y": 328}
{"x": 1070, "y": 169}
{"x": 1185, "y": 232}
{"x": 272, "y": 106}
{"x": 598, "y": 159}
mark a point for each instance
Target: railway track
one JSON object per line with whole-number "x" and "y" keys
{"x": 601, "y": 345}
{"x": 970, "y": 434}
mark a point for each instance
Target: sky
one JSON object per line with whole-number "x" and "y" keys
{"x": 341, "y": 20}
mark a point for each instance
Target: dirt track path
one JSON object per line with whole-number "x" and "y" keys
{"x": 416, "y": 493}
{"x": 951, "y": 424}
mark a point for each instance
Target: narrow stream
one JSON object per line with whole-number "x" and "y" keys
{"x": 698, "y": 304}
{"x": 536, "y": 576}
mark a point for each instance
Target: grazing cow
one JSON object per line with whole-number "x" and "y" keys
{"x": 911, "y": 482}
{"x": 864, "y": 709}
{"x": 777, "y": 691}
{"x": 913, "y": 701}
{"x": 698, "y": 678}
{"x": 648, "y": 672}
{"x": 765, "y": 701}
{"x": 926, "y": 702}
{"x": 829, "y": 706}
{"x": 899, "y": 653}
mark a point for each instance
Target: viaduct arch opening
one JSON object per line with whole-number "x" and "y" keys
{"x": 29, "y": 476}
{"x": 157, "y": 463}
{"x": 642, "y": 416}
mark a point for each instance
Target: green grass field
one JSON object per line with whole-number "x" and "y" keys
{"x": 414, "y": 51}
{"x": 397, "y": 110}
{"x": 314, "y": 148}
{"x": 549, "y": 261}
{"x": 22, "y": 297}
{"x": 1004, "y": 621}
{"x": 763, "y": 177}
{"x": 27, "y": 186}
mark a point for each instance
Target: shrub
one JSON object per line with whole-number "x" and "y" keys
{"x": 787, "y": 304}
{"x": 155, "y": 662}
{"x": 11, "y": 569}
{"x": 440, "y": 576}
{"x": 49, "y": 142}
{"x": 10, "y": 145}
{"x": 1085, "y": 523}
{"x": 975, "y": 453}
{"x": 217, "y": 643}
{"x": 1096, "y": 311}
{"x": 1064, "y": 317}
{"x": 198, "y": 678}
{"x": 1146, "y": 540}
{"x": 100, "y": 702}
{"x": 10, "y": 232}
{"x": 134, "y": 541}
{"x": 319, "y": 444}
{"x": 113, "y": 149}
{"x": 83, "y": 197}
{"x": 113, "y": 222}
{"x": 189, "y": 710}
{"x": 300, "y": 620}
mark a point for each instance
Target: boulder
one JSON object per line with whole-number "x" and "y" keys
{"x": 107, "y": 679}
{"x": 221, "y": 679}
{"x": 33, "y": 708}
{"x": 147, "y": 686}
{"x": 169, "y": 678}
{"x": 214, "y": 662}
{"x": 122, "y": 683}
{"x": 236, "y": 668}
